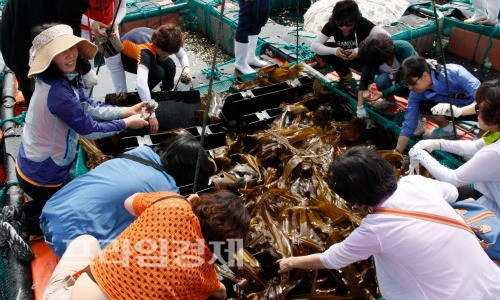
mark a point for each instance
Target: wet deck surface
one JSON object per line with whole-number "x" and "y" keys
{"x": 200, "y": 51}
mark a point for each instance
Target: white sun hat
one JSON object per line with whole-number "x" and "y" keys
{"x": 53, "y": 41}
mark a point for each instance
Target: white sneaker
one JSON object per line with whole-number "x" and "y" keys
{"x": 488, "y": 23}
{"x": 474, "y": 19}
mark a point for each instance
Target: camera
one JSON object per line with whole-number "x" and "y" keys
{"x": 347, "y": 52}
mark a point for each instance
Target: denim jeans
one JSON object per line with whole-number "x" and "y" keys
{"x": 252, "y": 16}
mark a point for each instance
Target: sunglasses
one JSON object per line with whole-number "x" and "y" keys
{"x": 345, "y": 24}
{"x": 477, "y": 109}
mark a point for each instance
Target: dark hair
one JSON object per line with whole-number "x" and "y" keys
{"x": 168, "y": 38}
{"x": 377, "y": 49}
{"x": 415, "y": 66}
{"x": 52, "y": 72}
{"x": 345, "y": 11}
{"x": 179, "y": 156}
{"x": 488, "y": 100}
{"x": 361, "y": 176}
{"x": 222, "y": 216}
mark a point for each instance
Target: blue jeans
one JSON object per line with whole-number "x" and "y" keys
{"x": 252, "y": 16}
{"x": 383, "y": 81}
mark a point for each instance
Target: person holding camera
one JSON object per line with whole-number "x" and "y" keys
{"x": 348, "y": 29}
{"x": 146, "y": 53}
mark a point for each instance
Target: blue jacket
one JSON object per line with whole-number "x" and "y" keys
{"x": 94, "y": 202}
{"x": 57, "y": 114}
{"x": 460, "y": 80}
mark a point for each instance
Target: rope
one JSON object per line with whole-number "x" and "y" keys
{"x": 440, "y": 42}
{"x": 18, "y": 120}
{"x": 209, "y": 96}
{"x": 297, "y": 24}
{"x": 305, "y": 52}
{"x": 490, "y": 44}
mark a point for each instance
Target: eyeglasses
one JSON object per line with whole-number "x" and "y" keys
{"x": 412, "y": 84}
{"x": 477, "y": 109}
{"x": 345, "y": 24}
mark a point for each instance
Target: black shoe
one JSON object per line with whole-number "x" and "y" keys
{"x": 11, "y": 213}
{"x": 10, "y": 233}
{"x": 349, "y": 85}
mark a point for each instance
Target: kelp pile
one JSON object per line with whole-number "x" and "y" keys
{"x": 282, "y": 174}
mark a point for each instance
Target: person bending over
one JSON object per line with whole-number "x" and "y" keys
{"x": 413, "y": 257}
{"x": 482, "y": 168}
{"x": 98, "y": 194}
{"x": 146, "y": 53}
{"x": 429, "y": 96}
{"x": 167, "y": 253}
{"x": 382, "y": 58}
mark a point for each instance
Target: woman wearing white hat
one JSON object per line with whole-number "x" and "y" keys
{"x": 59, "y": 112}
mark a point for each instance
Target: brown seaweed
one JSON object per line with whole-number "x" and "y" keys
{"x": 294, "y": 212}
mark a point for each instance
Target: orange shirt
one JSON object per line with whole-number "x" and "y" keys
{"x": 161, "y": 255}
{"x": 100, "y": 10}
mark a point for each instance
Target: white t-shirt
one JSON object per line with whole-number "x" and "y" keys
{"x": 385, "y": 68}
{"x": 417, "y": 259}
{"x": 483, "y": 169}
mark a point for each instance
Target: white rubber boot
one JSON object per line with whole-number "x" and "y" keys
{"x": 479, "y": 12}
{"x": 493, "y": 8}
{"x": 117, "y": 73}
{"x": 240, "y": 53}
{"x": 252, "y": 60}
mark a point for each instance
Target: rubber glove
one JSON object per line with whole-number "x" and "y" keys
{"x": 361, "y": 112}
{"x": 89, "y": 79}
{"x": 443, "y": 109}
{"x": 428, "y": 145}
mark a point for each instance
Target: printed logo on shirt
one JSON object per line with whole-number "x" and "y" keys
{"x": 347, "y": 44}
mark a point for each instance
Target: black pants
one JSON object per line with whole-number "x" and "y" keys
{"x": 341, "y": 66}
{"x": 162, "y": 71}
{"x": 32, "y": 209}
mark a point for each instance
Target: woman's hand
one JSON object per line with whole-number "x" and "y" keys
{"x": 286, "y": 264}
{"x": 352, "y": 55}
{"x": 138, "y": 108}
{"x": 135, "y": 109}
{"x": 340, "y": 53}
{"x": 375, "y": 95}
{"x": 186, "y": 77}
{"x": 135, "y": 122}
{"x": 153, "y": 124}
{"x": 97, "y": 28}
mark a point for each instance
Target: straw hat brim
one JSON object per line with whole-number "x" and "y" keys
{"x": 45, "y": 55}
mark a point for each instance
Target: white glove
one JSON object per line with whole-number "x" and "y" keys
{"x": 415, "y": 154}
{"x": 443, "y": 109}
{"x": 428, "y": 145}
{"x": 89, "y": 79}
{"x": 361, "y": 112}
